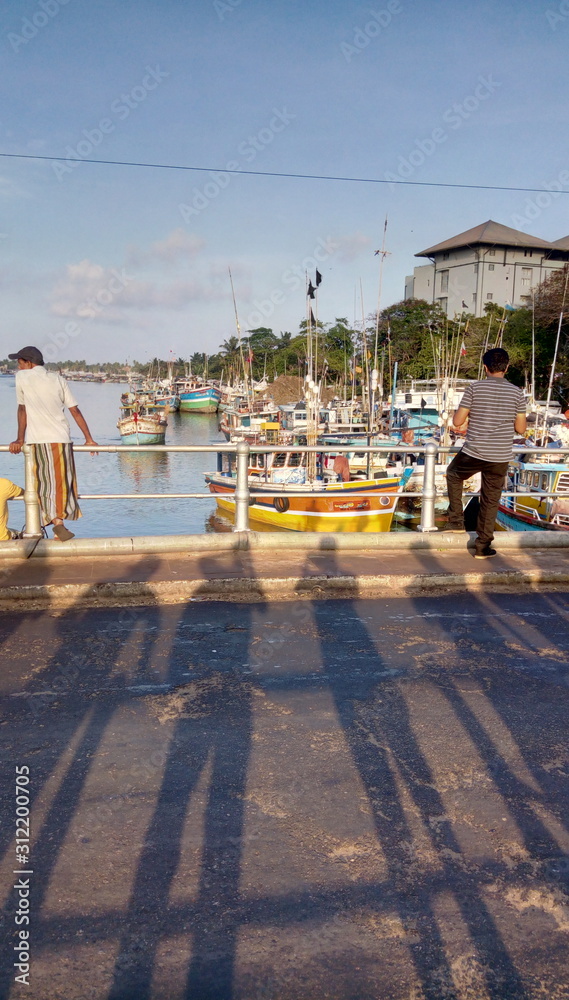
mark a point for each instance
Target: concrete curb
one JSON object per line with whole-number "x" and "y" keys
{"x": 273, "y": 541}
{"x": 266, "y": 589}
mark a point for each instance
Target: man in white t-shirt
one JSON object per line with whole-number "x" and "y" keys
{"x": 42, "y": 397}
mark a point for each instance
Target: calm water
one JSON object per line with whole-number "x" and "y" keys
{"x": 127, "y": 473}
{"x": 136, "y": 472}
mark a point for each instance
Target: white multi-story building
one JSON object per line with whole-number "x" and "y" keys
{"x": 490, "y": 263}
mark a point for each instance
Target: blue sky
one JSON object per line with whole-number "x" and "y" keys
{"x": 117, "y": 262}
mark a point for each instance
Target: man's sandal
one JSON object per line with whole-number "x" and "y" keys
{"x": 62, "y": 533}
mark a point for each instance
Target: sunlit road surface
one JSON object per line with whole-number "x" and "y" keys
{"x": 362, "y": 799}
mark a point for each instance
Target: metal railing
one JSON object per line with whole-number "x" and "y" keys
{"x": 243, "y": 492}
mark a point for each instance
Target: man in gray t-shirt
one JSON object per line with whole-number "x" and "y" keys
{"x": 492, "y": 409}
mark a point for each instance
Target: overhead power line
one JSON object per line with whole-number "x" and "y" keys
{"x": 278, "y": 173}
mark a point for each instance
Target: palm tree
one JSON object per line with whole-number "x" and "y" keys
{"x": 230, "y": 347}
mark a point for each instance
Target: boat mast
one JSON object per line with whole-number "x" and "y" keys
{"x": 532, "y": 394}
{"x": 239, "y": 336}
{"x": 365, "y": 359}
{"x": 382, "y": 254}
{"x": 309, "y": 365}
{"x": 554, "y": 362}
{"x": 484, "y": 348}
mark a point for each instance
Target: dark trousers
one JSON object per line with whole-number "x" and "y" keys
{"x": 493, "y": 478}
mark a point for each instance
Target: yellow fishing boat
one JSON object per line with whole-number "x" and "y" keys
{"x": 285, "y": 498}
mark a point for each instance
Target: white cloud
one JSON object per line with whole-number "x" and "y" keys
{"x": 90, "y": 291}
{"x": 352, "y": 246}
{"x": 179, "y": 246}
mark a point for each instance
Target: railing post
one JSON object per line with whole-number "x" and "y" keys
{"x": 429, "y": 493}
{"x": 242, "y": 488}
{"x": 31, "y": 504}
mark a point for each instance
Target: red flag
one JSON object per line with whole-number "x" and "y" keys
{"x": 250, "y": 356}
{"x": 463, "y": 349}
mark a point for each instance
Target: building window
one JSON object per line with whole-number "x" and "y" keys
{"x": 443, "y": 302}
{"x": 444, "y": 281}
{"x": 491, "y": 253}
{"x": 491, "y": 267}
{"x": 476, "y": 268}
{"x": 528, "y": 253}
{"x": 445, "y": 256}
{"x": 526, "y": 276}
{"x": 474, "y": 299}
{"x": 489, "y": 296}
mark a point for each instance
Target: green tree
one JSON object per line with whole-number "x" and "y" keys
{"x": 405, "y": 329}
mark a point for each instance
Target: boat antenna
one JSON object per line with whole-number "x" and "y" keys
{"x": 382, "y": 254}
{"x": 532, "y": 396}
{"x": 366, "y": 376}
{"x": 554, "y": 362}
{"x": 484, "y": 347}
{"x": 239, "y": 334}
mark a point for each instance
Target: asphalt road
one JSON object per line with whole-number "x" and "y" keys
{"x": 323, "y": 799}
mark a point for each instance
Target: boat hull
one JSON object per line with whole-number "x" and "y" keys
{"x": 200, "y": 401}
{"x": 345, "y": 509}
{"x": 142, "y": 438}
{"x": 172, "y": 402}
{"x": 514, "y": 521}
{"x": 143, "y": 430}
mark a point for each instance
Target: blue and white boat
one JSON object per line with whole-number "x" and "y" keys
{"x": 197, "y": 396}
{"x": 139, "y": 426}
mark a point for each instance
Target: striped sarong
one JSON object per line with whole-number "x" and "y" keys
{"x": 56, "y": 482}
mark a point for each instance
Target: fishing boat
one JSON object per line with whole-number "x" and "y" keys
{"x": 163, "y": 398}
{"x": 532, "y": 508}
{"x": 139, "y": 425}
{"x": 293, "y": 489}
{"x": 197, "y": 396}
{"x": 248, "y": 420}
{"x": 289, "y": 497}
{"x": 420, "y": 404}
{"x": 161, "y": 392}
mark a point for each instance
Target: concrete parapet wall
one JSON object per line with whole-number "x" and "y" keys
{"x": 274, "y": 541}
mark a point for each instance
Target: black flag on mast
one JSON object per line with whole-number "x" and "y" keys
{"x": 312, "y": 320}
{"x": 318, "y": 278}
{"x": 311, "y": 290}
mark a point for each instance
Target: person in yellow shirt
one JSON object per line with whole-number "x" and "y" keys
{"x": 8, "y": 491}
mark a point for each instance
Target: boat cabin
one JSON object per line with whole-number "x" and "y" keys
{"x": 533, "y": 483}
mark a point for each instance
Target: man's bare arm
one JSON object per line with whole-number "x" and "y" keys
{"x": 82, "y": 424}
{"x": 16, "y": 446}
{"x": 460, "y": 417}
{"x": 520, "y": 423}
